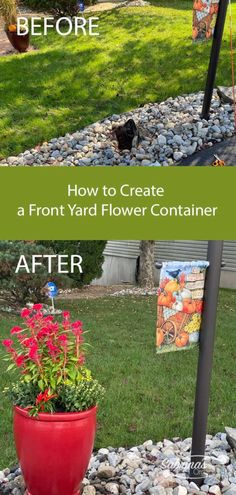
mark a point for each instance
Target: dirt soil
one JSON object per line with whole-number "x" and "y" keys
{"x": 92, "y": 291}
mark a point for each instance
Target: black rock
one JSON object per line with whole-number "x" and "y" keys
{"x": 126, "y": 135}
{"x": 14, "y": 468}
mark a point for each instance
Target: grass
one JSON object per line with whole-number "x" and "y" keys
{"x": 142, "y": 55}
{"x": 147, "y": 396}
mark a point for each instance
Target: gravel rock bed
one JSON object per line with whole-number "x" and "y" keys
{"x": 46, "y": 310}
{"x": 171, "y": 131}
{"x": 136, "y": 291}
{"x": 149, "y": 469}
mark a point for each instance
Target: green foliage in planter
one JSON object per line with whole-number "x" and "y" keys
{"x": 22, "y": 394}
{"x": 91, "y": 252}
{"x": 8, "y": 11}
{"x": 80, "y": 397}
{"x": 23, "y": 287}
{"x": 70, "y": 398}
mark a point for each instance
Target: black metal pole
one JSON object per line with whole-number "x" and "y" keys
{"x": 207, "y": 335}
{"x": 214, "y": 58}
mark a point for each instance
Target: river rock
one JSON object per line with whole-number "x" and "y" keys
{"x": 231, "y": 437}
{"x": 168, "y": 132}
{"x": 106, "y": 472}
{"x": 89, "y": 490}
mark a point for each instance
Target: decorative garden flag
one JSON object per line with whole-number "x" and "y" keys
{"x": 179, "y": 304}
{"x": 204, "y": 18}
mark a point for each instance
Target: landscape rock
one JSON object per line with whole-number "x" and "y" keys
{"x": 168, "y": 132}
{"x": 231, "y": 437}
{"x": 106, "y": 472}
{"x": 215, "y": 489}
{"x": 231, "y": 491}
{"x": 180, "y": 490}
{"x": 146, "y": 469}
{"x": 89, "y": 490}
{"x": 112, "y": 488}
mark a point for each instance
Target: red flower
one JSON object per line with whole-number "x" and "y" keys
{"x": 77, "y": 324}
{"x": 63, "y": 340}
{"x": 25, "y": 313}
{"x": 53, "y": 327}
{"x": 66, "y": 324}
{"x": 52, "y": 349}
{"x": 48, "y": 318}
{"x": 30, "y": 322}
{"x": 7, "y": 343}
{"x": 39, "y": 398}
{"x": 77, "y": 328}
{"x": 43, "y": 332}
{"x": 81, "y": 359}
{"x": 38, "y": 316}
{"x": 20, "y": 360}
{"x": 30, "y": 342}
{"x": 43, "y": 342}
{"x": 33, "y": 353}
{"x": 16, "y": 330}
{"x": 37, "y": 307}
{"x": 44, "y": 397}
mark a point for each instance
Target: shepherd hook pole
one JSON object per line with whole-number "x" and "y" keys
{"x": 214, "y": 58}
{"x": 207, "y": 336}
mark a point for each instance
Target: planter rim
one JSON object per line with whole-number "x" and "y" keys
{"x": 57, "y": 417}
{"x": 15, "y": 32}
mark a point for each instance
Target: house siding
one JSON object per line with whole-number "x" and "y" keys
{"x": 121, "y": 256}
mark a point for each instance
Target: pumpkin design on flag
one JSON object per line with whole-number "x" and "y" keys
{"x": 180, "y": 304}
{"x": 204, "y": 19}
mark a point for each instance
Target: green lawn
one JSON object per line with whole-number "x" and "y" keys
{"x": 147, "y": 396}
{"x": 142, "y": 55}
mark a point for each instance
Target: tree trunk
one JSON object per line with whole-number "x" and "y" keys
{"x": 146, "y": 264}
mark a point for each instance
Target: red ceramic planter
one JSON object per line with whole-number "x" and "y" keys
{"x": 54, "y": 450}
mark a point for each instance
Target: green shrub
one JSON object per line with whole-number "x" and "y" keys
{"x": 59, "y": 8}
{"x": 8, "y": 11}
{"x": 91, "y": 252}
{"x": 21, "y": 288}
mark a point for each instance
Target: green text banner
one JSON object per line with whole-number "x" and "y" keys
{"x": 118, "y": 203}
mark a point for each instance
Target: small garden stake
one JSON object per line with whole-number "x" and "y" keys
{"x": 52, "y": 292}
{"x": 207, "y": 336}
